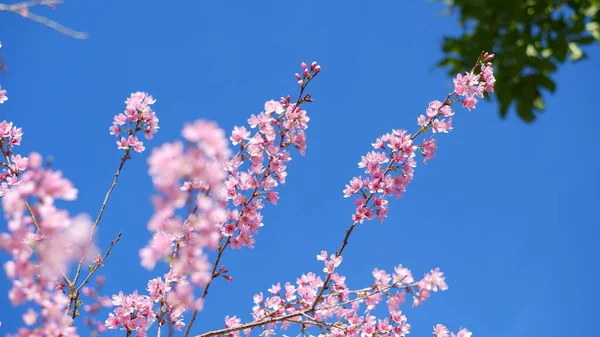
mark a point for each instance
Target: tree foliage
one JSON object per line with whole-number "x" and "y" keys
{"x": 533, "y": 36}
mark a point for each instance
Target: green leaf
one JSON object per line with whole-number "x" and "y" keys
{"x": 545, "y": 82}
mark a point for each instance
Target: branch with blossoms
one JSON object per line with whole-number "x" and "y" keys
{"x": 202, "y": 175}
{"x": 210, "y": 198}
{"x": 24, "y": 9}
{"x": 137, "y": 117}
{"x": 42, "y": 239}
{"x": 325, "y": 303}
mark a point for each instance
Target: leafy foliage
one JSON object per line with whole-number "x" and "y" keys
{"x": 533, "y": 37}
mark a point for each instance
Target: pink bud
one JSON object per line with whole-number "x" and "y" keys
{"x": 222, "y": 268}
{"x": 228, "y": 278}
{"x": 313, "y": 65}
{"x": 305, "y": 73}
{"x": 304, "y": 66}
{"x": 297, "y": 76}
{"x": 301, "y": 82}
{"x": 317, "y": 69}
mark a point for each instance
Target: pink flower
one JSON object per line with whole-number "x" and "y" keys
{"x": 30, "y": 317}
{"x": 355, "y": 185}
{"x": 238, "y": 135}
{"x": 433, "y": 108}
{"x": 469, "y": 102}
{"x": 440, "y": 331}
{"x": 465, "y": 85}
{"x": 138, "y": 116}
{"x": 273, "y": 106}
{"x": 232, "y": 321}
{"x": 333, "y": 262}
{"x": 462, "y": 333}
{"x": 429, "y": 147}
{"x": 3, "y": 97}
{"x": 137, "y": 145}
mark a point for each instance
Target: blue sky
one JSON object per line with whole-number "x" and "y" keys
{"x": 508, "y": 211}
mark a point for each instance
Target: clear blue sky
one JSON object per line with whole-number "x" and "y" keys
{"x": 515, "y": 219}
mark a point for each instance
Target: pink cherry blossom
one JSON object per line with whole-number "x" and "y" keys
{"x": 3, "y": 97}
{"x": 138, "y": 116}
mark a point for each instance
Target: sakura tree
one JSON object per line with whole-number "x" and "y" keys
{"x": 210, "y": 190}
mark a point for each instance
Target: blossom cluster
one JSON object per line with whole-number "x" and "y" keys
{"x": 42, "y": 241}
{"x": 189, "y": 175}
{"x": 137, "y": 312}
{"x": 281, "y": 125}
{"x": 208, "y": 197}
{"x": 389, "y": 168}
{"x": 12, "y": 164}
{"x": 338, "y": 311}
{"x": 442, "y": 331}
{"x": 138, "y": 116}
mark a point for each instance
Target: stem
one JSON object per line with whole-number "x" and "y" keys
{"x": 86, "y": 280}
{"x": 102, "y": 207}
{"x": 74, "y": 294}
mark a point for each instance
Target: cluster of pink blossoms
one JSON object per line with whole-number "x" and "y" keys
{"x": 279, "y": 126}
{"x": 12, "y": 164}
{"x": 201, "y": 176}
{"x": 390, "y": 167}
{"x": 345, "y": 312}
{"x": 221, "y": 201}
{"x": 42, "y": 241}
{"x": 137, "y": 312}
{"x": 442, "y": 331}
{"x": 3, "y": 97}
{"x": 138, "y": 116}
{"x": 189, "y": 175}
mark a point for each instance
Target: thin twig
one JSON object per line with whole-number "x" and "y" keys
{"x": 74, "y": 294}
{"x": 126, "y": 156}
{"x": 22, "y": 9}
{"x": 87, "y": 279}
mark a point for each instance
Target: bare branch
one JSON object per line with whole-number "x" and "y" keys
{"x": 23, "y": 9}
